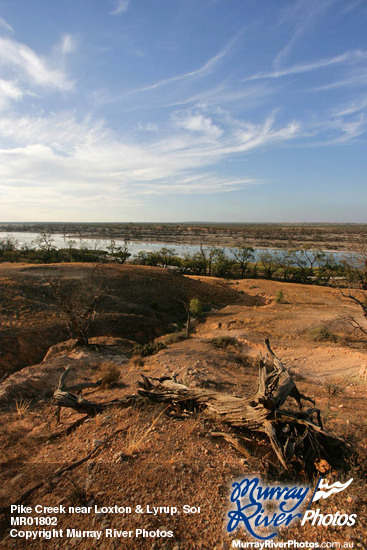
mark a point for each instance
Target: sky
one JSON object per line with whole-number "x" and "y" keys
{"x": 183, "y": 110}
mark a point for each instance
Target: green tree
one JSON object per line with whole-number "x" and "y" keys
{"x": 9, "y": 249}
{"x": 48, "y": 251}
{"x": 270, "y": 263}
{"x": 167, "y": 256}
{"x": 119, "y": 254}
{"x": 243, "y": 255}
{"x": 196, "y": 308}
{"x": 307, "y": 259}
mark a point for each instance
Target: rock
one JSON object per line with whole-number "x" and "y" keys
{"x": 120, "y": 457}
{"x": 16, "y": 479}
{"x": 88, "y": 483}
{"x": 354, "y": 498}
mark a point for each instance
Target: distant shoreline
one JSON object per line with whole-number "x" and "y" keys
{"x": 327, "y": 237}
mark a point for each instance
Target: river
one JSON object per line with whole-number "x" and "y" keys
{"x": 61, "y": 241}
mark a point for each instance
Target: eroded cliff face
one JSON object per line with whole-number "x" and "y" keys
{"x": 139, "y": 303}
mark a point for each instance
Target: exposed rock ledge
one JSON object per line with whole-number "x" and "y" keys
{"x": 39, "y": 381}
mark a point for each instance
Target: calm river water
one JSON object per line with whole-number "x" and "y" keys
{"x": 134, "y": 247}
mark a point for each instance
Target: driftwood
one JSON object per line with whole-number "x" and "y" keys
{"x": 293, "y": 434}
{"x": 62, "y": 397}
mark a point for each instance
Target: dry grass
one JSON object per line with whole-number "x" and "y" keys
{"x": 137, "y": 434}
{"x": 22, "y": 406}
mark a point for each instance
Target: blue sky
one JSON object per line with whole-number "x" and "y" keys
{"x": 183, "y": 110}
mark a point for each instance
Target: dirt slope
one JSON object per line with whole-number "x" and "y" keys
{"x": 164, "y": 458}
{"x": 139, "y": 304}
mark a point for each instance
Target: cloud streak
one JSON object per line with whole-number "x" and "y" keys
{"x": 202, "y": 71}
{"x": 352, "y": 56}
{"x": 120, "y": 7}
{"x": 6, "y": 25}
{"x": 302, "y": 14}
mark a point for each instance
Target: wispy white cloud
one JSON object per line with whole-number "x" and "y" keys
{"x": 9, "y": 90}
{"x": 340, "y": 130}
{"x": 302, "y": 14}
{"x": 200, "y": 184}
{"x": 350, "y": 7}
{"x": 351, "y": 56}
{"x": 147, "y": 127}
{"x": 197, "y": 122}
{"x": 87, "y": 160}
{"x": 120, "y": 7}
{"x": 60, "y": 160}
{"x": 356, "y": 79}
{"x": 68, "y": 44}
{"x": 5, "y": 25}
{"x": 25, "y": 63}
{"x": 354, "y": 106}
{"x": 202, "y": 71}
{"x": 350, "y": 129}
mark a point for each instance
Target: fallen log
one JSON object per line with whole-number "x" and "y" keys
{"x": 293, "y": 434}
{"x": 62, "y": 397}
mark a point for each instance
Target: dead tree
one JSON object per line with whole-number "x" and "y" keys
{"x": 358, "y": 297}
{"x": 356, "y": 292}
{"x": 292, "y": 433}
{"x": 78, "y": 300}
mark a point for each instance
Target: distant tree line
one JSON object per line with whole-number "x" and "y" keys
{"x": 294, "y": 265}
{"x": 43, "y": 251}
{"x": 264, "y": 233}
{"x": 304, "y": 265}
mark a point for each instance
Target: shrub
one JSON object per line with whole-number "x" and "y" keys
{"x": 224, "y": 342}
{"x": 321, "y": 333}
{"x": 151, "y": 348}
{"x": 22, "y": 406}
{"x": 279, "y": 298}
{"x": 174, "y": 337}
{"x": 334, "y": 389}
{"x": 196, "y": 308}
{"x": 109, "y": 374}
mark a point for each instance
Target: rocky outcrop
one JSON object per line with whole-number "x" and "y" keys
{"x": 40, "y": 381}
